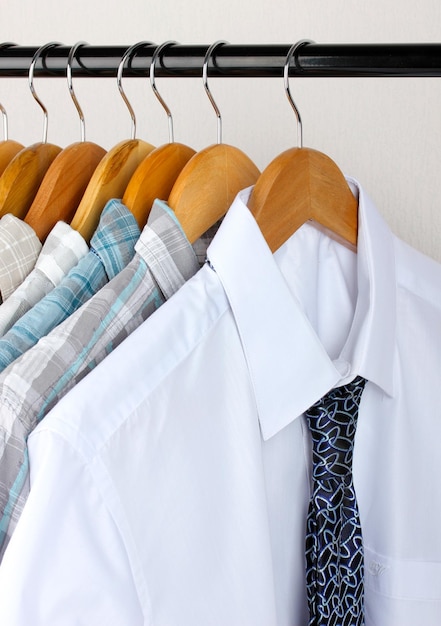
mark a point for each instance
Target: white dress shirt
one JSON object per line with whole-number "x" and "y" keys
{"x": 170, "y": 487}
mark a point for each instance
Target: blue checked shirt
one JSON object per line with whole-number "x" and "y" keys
{"x": 112, "y": 247}
{"x": 163, "y": 261}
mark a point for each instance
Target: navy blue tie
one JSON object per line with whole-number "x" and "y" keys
{"x": 334, "y": 547}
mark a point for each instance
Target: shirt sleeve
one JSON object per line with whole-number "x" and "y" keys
{"x": 66, "y": 563}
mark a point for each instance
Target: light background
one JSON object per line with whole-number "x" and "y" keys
{"x": 386, "y": 132}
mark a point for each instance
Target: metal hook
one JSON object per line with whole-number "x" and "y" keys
{"x": 2, "y": 108}
{"x": 155, "y": 55}
{"x": 70, "y": 58}
{"x": 121, "y": 65}
{"x": 292, "y": 53}
{"x": 31, "y": 83}
{"x": 209, "y": 54}
{"x": 5, "y": 122}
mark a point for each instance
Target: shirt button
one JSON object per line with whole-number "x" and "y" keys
{"x": 343, "y": 367}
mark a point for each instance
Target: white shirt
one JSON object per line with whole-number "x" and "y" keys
{"x": 170, "y": 487}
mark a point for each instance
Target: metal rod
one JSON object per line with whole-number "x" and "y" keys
{"x": 314, "y": 60}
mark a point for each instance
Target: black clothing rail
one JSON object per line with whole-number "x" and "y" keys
{"x": 313, "y": 60}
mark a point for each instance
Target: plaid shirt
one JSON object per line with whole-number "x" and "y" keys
{"x": 63, "y": 248}
{"x": 112, "y": 247}
{"x": 19, "y": 249}
{"x": 164, "y": 260}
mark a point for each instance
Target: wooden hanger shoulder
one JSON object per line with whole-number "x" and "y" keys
{"x": 303, "y": 184}
{"x": 8, "y": 149}
{"x": 207, "y": 186}
{"x": 63, "y": 186}
{"x": 154, "y": 178}
{"x": 108, "y": 181}
{"x": 21, "y": 179}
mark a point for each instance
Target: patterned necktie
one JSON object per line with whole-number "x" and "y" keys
{"x": 334, "y": 548}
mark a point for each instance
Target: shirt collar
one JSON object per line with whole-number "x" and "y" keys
{"x": 63, "y": 248}
{"x": 166, "y": 250}
{"x": 372, "y": 336}
{"x": 289, "y": 367}
{"x": 115, "y": 237}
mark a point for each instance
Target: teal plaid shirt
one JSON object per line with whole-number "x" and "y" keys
{"x": 111, "y": 249}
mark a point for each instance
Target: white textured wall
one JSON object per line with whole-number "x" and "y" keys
{"x": 385, "y": 132}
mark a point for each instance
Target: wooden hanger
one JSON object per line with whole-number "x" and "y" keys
{"x": 208, "y": 184}
{"x": 157, "y": 173}
{"x": 63, "y": 187}
{"x": 154, "y": 178}
{"x": 8, "y": 149}
{"x": 67, "y": 178}
{"x": 21, "y": 178}
{"x": 303, "y": 184}
{"x": 113, "y": 173}
{"x": 108, "y": 181}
